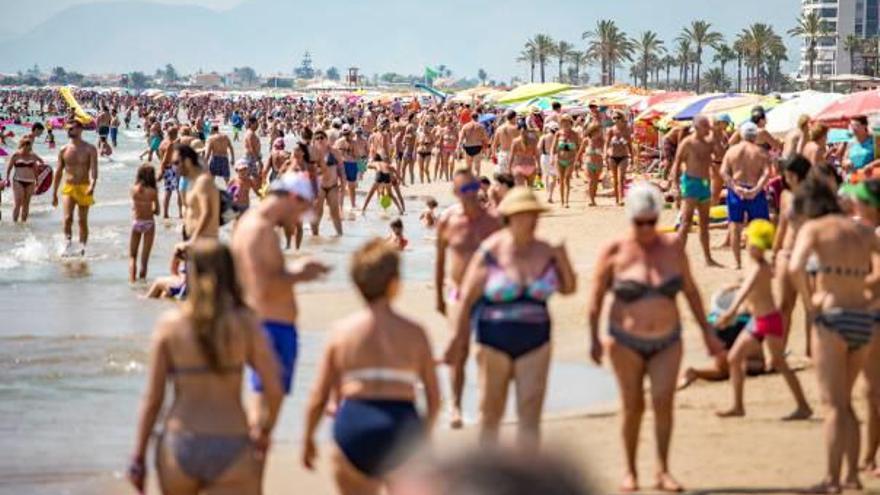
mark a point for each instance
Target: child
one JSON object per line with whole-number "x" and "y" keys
{"x": 395, "y": 238}
{"x": 429, "y": 216}
{"x": 766, "y": 325}
{"x": 173, "y": 285}
{"x": 50, "y": 138}
{"x": 144, "y": 206}
{"x": 240, "y": 187}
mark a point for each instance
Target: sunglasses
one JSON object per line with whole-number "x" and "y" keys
{"x": 320, "y": 138}
{"x": 470, "y": 187}
{"x": 645, "y": 222}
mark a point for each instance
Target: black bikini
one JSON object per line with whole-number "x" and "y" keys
{"x": 630, "y": 291}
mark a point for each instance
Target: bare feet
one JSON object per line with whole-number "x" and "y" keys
{"x": 824, "y": 487}
{"x": 734, "y": 412}
{"x": 689, "y": 377}
{"x": 711, "y": 263}
{"x": 799, "y": 414}
{"x": 455, "y": 420}
{"x": 666, "y": 483}
{"x": 853, "y": 483}
{"x": 629, "y": 484}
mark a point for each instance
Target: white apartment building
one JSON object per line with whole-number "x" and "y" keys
{"x": 843, "y": 17}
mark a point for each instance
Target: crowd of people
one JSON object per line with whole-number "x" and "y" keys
{"x": 807, "y": 225}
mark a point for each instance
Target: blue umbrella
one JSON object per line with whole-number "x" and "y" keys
{"x": 487, "y": 117}
{"x": 694, "y": 109}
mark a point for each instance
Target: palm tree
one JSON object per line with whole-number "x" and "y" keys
{"x": 577, "y": 59}
{"x": 777, "y": 53}
{"x": 852, "y": 44}
{"x": 739, "y": 47}
{"x": 562, "y": 51}
{"x": 810, "y": 27}
{"x": 530, "y": 55}
{"x": 544, "y": 49}
{"x": 647, "y": 46}
{"x": 724, "y": 54}
{"x": 609, "y": 45}
{"x": 683, "y": 58}
{"x": 668, "y": 61}
{"x": 716, "y": 80}
{"x": 701, "y": 35}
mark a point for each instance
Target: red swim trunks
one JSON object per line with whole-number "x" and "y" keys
{"x": 769, "y": 325}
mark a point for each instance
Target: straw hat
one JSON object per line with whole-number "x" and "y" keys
{"x": 520, "y": 200}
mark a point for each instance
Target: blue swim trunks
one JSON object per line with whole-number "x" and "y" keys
{"x": 351, "y": 171}
{"x": 755, "y": 208}
{"x": 283, "y": 338}
{"x": 219, "y": 166}
{"x": 696, "y": 188}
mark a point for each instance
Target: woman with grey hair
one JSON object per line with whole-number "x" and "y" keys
{"x": 644, "y": 272}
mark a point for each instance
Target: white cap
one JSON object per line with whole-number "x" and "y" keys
{"x": 346, "y": 128}
{"x": 643, "y": 199}
{"x": 337, "y": 121}
{"x": 294, "y": 183}
{"x": 748, "y": 130}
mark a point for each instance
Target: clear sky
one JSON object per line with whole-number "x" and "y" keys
{"x": 491, "y": 38}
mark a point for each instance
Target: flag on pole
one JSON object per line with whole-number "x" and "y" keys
{"x": 431, "y": 74}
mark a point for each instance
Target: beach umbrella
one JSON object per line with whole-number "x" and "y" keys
{"x": 699, "y": 106}
{"x": 742, "y": 113}
{"x": 487, "y": 117}
{"x": 784, "y": 117}
{"x": 861, "y": 103}
{"x": 528, "y": 91}
{"x": 836, "y": 136}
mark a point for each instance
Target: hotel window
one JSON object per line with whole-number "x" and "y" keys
{"x": 872, "y": 12}
{"x": 828, "y": 12}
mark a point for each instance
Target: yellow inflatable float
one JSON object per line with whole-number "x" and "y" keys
{"x": 81, "y": 116}
{"x": 717, "y": 215}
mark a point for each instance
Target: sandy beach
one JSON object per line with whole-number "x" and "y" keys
{"x": 757, "y": 454}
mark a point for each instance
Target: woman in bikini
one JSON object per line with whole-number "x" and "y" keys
{"x": 424, "y": 150}
{"x": 565, "y": 149}
{"x": 524, "y": 154}
{"x": 644, "y": 272}
{"x": 144, "y": 208}
{"x": 839, "y": 251}
{"x": 548, "y": 168}
{"x": 374, "y": 364}
{"x": 328, "y": 166}
{"x": 209, "y": 444}
{"x": 618, "y": 146}
{"x": 591, "y": 156}
{"x": 504, "y": 297}
{"x": 380, "y": 151}
{"x": 21, "y": 172}
{"x": 448, "y": 137}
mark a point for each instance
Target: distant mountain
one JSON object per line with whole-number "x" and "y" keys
{"x": 376, "y": 35}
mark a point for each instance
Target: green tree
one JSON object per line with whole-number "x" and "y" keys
{"x": 247, "y": 75}
{"x": 852, "y": 44}
{"x": 545, "y": 47}
{"x": 683, "y": 55}
{"x": 169, "y": 74}
{"x": 138, "y": 80}
{"x": 668, "y": 61}
{"x": 562, "y": 51}
{"x": 530, "y": 56}
{"x": 482, "y": 76}
{"x": 577, "y": 59}
{"x": 701, "y": 35}
{"x": 724, "y": 54}
{"x": 810, "y": 27}
{"x": 739, "y": 47}
{"x": 58, "y": 76}
{"x": 647, "y": 46}
{"x": 716, "y": 80}
{"x": 333, "y": 74}
{"x": 610, "y": 46}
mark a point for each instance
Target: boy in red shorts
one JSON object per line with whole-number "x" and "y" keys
{"x": 766, "y": 326}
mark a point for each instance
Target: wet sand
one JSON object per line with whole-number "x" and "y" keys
{"x": 756, "y": 454}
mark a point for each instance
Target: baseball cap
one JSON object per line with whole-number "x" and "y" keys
{"x": 346, "y": 128}
{"x": 749, "y": 130}
{"x": 724, "y": 118}
{"x": 241, "y": 164}
{"x": 297, "y": 184}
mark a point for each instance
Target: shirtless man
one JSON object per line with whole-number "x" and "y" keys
{"x": 502, "y": 141}
{"x": 472, "y": 140}
{"x": 720, "y": 137}
{"x": 219, "y": 153}
{"x": 267, "y": 284}
{"x": 765, "y": 140}
{"x": 460, "y": 230}
{"x": 168, "y": 173}
{"x": 78, "y": 166}
{"x": 202, "y": 205}
{"x": 745, "y": 170}
{"x": 252, "y": 152}
{"x": 691, "y": 177}
{"x": 346, "y": 148}
{"x": 103, "y": 123}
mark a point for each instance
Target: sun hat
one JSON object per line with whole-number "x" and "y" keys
{"x": 297, "y": 184}
{"x": 197, "y": 145}
{"x": 520, "y": 200}
{"x": 760, "y": 233}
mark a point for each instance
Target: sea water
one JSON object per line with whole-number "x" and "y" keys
{"x": 74, "y": 336}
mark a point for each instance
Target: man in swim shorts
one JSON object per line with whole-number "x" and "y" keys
{"x": 473, "y": 139}
{"x": 267, "y": 284}
{"x": 252, "y": 152}
{"x": 460, "y": 231}
{"x": 219, "y": 153}
{"x": 503, "y": 140}
{"x": 691, "y": 176}
{"x": 103, "y": 123}
{"x": 78, "y": 169}
{"x": 346, "y": 147}
{"x": 745, "y": 170}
